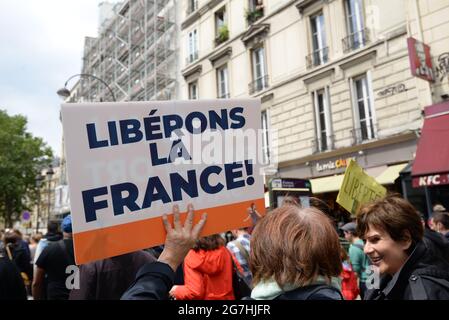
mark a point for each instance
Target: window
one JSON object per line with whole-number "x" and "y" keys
{"x": 220, "y": 19}
{"x": 320, "y": 51}
{"x": 357, "y": 34}
{"x": 364, "y": 108}
{"x": 255, "y": 11}
{"x": 193, "y": 90}
{"x": 223, "y": 82}
{"x": 260, "y": 77}
{"x": 192, "y": 46}
{"x": 323, "y": 120}
{"x": 192, "y": 5}
{"x": 221, "y": 28}
{"x": 265, "y": 138}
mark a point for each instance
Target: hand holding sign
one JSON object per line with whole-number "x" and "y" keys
{"x": 181, "y": 238}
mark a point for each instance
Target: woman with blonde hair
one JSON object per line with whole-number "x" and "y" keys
{"x": 295, "y": 255}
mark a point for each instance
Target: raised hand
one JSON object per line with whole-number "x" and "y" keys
{"x": 180, "y": 239}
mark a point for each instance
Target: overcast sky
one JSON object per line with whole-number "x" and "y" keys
{"x": 41, "y": 47}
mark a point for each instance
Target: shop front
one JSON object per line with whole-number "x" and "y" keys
{"x": 430, "y": 170}
{"x": 381, "y": 159}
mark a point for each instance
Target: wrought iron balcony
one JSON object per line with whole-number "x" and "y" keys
{"x": 255, "y": 14}
{"x": 322, "y": 145}
{"x": 192, "y": 57}
{"x": 364, "y": 133}
{"x": 317, "y": 57}
{"x": 356, "y": 40}
{"x": 258, "y": 84}
{"x": 225, "y": 95}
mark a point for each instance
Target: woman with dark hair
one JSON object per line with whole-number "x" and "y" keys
{"x": 207, "y": 272}
{"x": 295, "y": 255}
{"x": 408, "y": 268}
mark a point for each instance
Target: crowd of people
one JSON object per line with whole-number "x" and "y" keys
{"x": 389, "y": 252}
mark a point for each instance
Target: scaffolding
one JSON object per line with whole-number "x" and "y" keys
{"x": 135, "y": 54}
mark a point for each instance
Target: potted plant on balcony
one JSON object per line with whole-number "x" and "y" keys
{"x": 254, "y": 14}
{"x": 223, "y": 35}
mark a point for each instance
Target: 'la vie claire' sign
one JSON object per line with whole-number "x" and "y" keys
{"x": 333, "y": 164}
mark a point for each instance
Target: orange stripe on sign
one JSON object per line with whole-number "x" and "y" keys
{"x": 113, "y": 241}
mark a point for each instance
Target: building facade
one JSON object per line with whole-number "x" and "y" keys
{"x": 333, "y": 77}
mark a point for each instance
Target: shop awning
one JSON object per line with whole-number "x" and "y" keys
{"x": 390, "y": 174}
{"x": 431, "y": 165}
{"x": 326, "y": 184}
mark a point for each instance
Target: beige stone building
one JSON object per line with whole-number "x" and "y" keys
{"x": 333, "y": 76}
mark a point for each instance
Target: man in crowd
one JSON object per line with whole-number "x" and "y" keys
{"x": 359, "y": 260}
{"x": 51, "y": 266}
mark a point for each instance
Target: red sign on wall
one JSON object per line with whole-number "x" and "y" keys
{"x": 420, "y": 59}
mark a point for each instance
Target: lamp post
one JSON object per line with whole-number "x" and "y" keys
{"x": 39, "y": 179}
{"x": 49, "y": 173}
{"x": 65, "y": 93}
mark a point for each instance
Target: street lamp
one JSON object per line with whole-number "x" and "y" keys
{"x": 39, "y": 179}
{"x": 65, "y": 93}
{"x": 49, "y": 174}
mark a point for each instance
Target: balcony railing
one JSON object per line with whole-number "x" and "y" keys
{"x": 258, "y": 85}
{"x": 222, "y": 35}
{"x": 322, "y": 145}
{"x": 224, "y": 96}
{"x": 364, "y": 133}
{"x": 192, "y": 57}
{"x": 356, "y": 40}
{"x": 317, "y": 57}
{"x": 192, "y": 7}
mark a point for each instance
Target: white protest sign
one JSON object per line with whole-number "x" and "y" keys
{"x": 129, "y": 162}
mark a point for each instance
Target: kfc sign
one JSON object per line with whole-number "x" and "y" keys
{"x": 420, "y": 59}
{"x": 433, "y": 180}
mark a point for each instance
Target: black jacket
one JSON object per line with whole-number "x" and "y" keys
{"x": 424, "y": 276}
{"x": 437, "y": 243}
{"x": 312, "y": 292}
{"x": 11, "y": 283}
{"x": 153, "y": 282}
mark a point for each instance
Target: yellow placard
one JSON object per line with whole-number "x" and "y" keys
{"x": 358, "y": 188}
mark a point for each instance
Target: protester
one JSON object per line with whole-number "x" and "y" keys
{"x": 207, "y": 272}
{"x": 108, "y": 279}
{"x": 52, "y": 235}
{"x": 33, "y": 245}
{"x": 441, "y": 223}
{"x": 240, "y": 248}
{"x": 22, "y": 242}
{"x": 408, "y": 269}
{"x": 12, "y": 286}
{"x": 52, "y": 266}
{"x": 154, "y": 280}
{"x": 359, "y": 260}
{"x": 295, "y": 255}
{"x": 349, "y": 283}
{"x": 15, "y": 251}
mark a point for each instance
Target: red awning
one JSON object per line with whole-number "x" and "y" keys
{"x": 431, "y": 165}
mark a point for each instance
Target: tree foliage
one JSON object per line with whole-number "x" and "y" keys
{"x": 22, "y": 157}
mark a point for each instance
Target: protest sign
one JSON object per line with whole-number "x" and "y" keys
{"x": 129, "y": 162}
{"x": 358, "y": 188}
